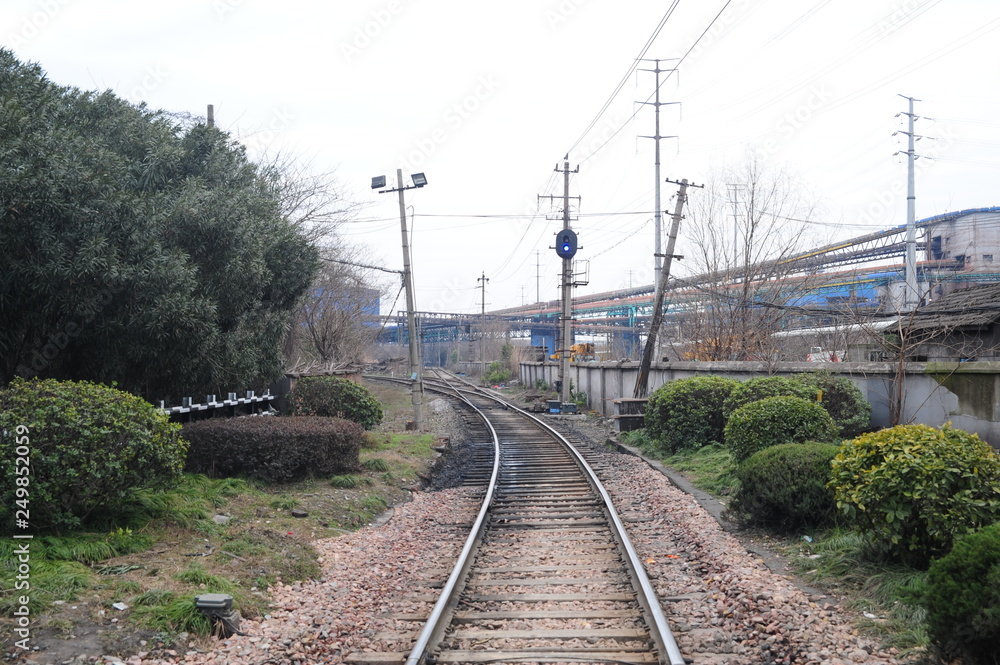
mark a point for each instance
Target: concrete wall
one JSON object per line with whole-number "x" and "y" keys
{"x": 967, "y": 394}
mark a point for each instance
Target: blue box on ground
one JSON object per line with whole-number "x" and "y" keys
{"x": 554, "y": 405}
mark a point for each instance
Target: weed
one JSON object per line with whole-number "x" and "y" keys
{"x": 710, "y": 468}
{"x": 376, "y": 464}
{"x": 179, "y": 615}
{"x": 153, "y": 597}
{"x": 374, "y": 503}
{"x": 197, "y": 575}
{"x": 349, "y": 481}
{"x": 284, "y": 502}
{"x": 847, "y": 561}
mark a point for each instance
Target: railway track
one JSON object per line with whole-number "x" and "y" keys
{"x": 547, "y": 574}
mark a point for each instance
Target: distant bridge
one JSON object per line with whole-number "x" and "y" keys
{"x": 626, "y": 312}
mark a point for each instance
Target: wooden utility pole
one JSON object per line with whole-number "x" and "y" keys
{"x": 642, "y": 381}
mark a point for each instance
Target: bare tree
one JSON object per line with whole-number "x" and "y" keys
{"x": 313, "y": 201}
{"x": 744, "y": 229}
{"x": 338, "y": 321}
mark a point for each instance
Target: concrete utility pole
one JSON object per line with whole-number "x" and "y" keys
{"x": 482, "y": 328}
{"x": 657, "y": 216}
{"x": 734, "y": 199}
{"x": 566, "y": 291}
{"x": 417, "y": 387}
{"x": 912, "y": 296}
{"x": 642, "y": 381}
{"x": 538, "y": 276}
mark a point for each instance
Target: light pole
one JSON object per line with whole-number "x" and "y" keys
{"x": 416, "y": 387}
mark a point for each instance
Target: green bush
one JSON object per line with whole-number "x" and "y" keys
{"x": 333, "y": 397}
{"x": 767, "y": 386}
{"x": 914, "y": 488}
{"x": 276, "y": 450}
{"x": 785, "y": 487}
{"x": 91, "y": 448}
{"x": 687, "y": 413}
{"x": 962, "y": 598}
{"x": 775, "y": 420}
{"x": 843, "y": 400}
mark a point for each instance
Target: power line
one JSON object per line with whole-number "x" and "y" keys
{"x": 628, "y": 74}
{"x": 679, "y": 62}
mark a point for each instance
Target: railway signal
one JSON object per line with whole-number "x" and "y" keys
{"x": 566, "y": 244}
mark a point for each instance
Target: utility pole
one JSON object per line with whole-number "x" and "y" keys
{"x": 734, "y": 199}
{"x": 417, "y": 387}
{"x": 538, "y": 276}
{"x": 912, "y": 296}
{"x": 417, "y": 384}
{"x": 657, "y": 216}
{"x": 482, "y": 328}
{"x": 642, "y": 381}
{"x": 566, "y": 319}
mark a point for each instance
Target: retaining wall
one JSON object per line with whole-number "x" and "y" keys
{"x": 967, "y": 394}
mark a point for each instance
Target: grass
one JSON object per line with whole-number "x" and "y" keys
{"x": 140, "y": 556}
{"x": 709, "y": 468}
{"x": 879, "y": 591}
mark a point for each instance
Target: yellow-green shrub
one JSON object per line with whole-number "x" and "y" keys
{"x": 915, "y": 488}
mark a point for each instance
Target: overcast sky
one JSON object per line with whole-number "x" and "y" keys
{"x": 486, "y": 98}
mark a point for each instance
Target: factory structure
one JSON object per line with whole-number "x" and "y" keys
{"x": 850, "y": 288}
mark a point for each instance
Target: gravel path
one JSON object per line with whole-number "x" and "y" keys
{"x": 723, "y": 603}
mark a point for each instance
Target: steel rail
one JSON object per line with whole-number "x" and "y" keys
{"x": 434, "y": 625}
{"x": 660, "y": 631}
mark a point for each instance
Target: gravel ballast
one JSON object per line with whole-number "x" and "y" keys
{"x": 722, "y": 602}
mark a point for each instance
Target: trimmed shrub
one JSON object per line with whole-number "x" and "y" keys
{"x": 91, "y": 448}
{"x": 276, "y": 450}
{"x": 962, "y": 598}
{"x": 915, "y": 488}
{"x": 768, "y": 386}
{"x": 843, "y": 400}
{"x": 785, "y": 487}
{"x": 687, "y": 413}
{"x": 333, "y": 397}
{"x": 776, "y": 420}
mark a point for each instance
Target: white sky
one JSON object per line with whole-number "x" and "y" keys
{"x": 486, "y": 98}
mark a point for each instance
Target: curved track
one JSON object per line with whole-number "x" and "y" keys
{"x": 547, "y": 574}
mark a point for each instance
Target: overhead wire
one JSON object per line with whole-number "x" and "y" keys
{"x": 628, "y": 73}
{"x": 665, "y": 79}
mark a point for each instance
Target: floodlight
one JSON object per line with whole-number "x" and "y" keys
{"x": 378, "y": 182}
{"x": 419, "y": 179}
